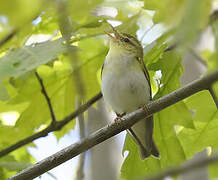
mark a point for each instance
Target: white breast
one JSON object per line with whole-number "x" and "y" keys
{"x": 124, "y": 85}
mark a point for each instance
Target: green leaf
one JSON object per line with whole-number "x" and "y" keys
{"x": 164, "y": 10}
{"x": 22, "y": 60}
{"x": 129, "y": 24}
{"x": 90, "y": 58}
{"x": 15, "y": 162}
{"x": 133, "y": 167}
{"x": 48, "y": 23}
{"x": 93, "y": 60}
{"x": 21, "y": 12}
{"x": 214, "y": 25}
{"x": 60, "y": 86}
{"x": 195, "y": 18}
{"x": 14, "y": 166}
{"x": 213, "y": 174}
{"x": 61, "y": 90}
{"x": 205, "y": 133}
{"x": 212, "y": 60}
{"x": 80, "y": 11}
{"x": 9, "y": 135}
{"x": 165, "y": 121}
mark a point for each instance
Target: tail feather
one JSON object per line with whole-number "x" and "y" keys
{"x": 142, "y": 132}
{"x": 154, "y": 150}
{"x": 144, "y": 153}
{"x": 149, "y": 137}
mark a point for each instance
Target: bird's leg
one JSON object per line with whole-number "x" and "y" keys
{"x": 119, "y": 116}
{"x": 145, "y": 108}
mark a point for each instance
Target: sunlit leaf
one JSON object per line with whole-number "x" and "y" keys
{"x": 22, "y": 11}
{"x": 164, "y": 10}
{"x": 195, "y": 18}
{"x": 19, "y": 61}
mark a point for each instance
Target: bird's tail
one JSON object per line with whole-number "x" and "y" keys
{"x": 142, "y": 134}
{"x": 154, "y": 150}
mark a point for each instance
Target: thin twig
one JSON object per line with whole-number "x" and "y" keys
{"x": 80, "y": 169}
{"x": 213, "y": 94}
{"x": 43, "y": 90}
{"x": 8, "y": 37}
{"x": 52, "y": 127}
{"x": 111, "y": 130}
{"x": 201, "y": 162}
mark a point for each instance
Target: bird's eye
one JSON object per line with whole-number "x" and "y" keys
{"x": 126, "y": 40}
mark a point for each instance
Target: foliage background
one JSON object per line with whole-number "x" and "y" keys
{"x": 180, "y": 131}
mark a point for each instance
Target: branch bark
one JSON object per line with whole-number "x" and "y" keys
{"x": 185, "y": 167}
{"x": 115, "y": 128}
{"x": 80, "y": 169}
{"x": 52, "y": 127}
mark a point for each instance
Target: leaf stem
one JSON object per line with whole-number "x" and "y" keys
{"x": 81, "y": 164}
{"x": 43, "y": 90}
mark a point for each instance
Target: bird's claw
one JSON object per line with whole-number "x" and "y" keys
{"x": 117, "y": 119}
{"x": 145, "y": 108}
{"x": 119, "y": 116}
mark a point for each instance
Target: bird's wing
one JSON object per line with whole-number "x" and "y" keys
{"x": 145, "y": 71}
{"x": 151, "y": 148}
{"x": 102, "y": 70}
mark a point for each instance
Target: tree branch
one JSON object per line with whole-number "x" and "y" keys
{"x": 46, "y": 97}
{"x": 185, "y": 167}
{"x": 80, "y": 168}
{"x": 213, "y": 94}
{"x": 111, "y": 130}
{"x": 52, "y": 127}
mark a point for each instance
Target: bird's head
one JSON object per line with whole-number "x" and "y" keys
{"x": 125, "y": 42}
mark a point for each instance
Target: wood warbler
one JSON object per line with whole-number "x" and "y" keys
{"x": 125, "y": 85}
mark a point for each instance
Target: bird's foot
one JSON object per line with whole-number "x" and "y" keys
{"x": 119, "y": 116}
{"x": 145, "y": 108}
{"x": 117, "y": 119}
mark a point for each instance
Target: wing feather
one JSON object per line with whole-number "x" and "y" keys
{"x": 145, "y": 71}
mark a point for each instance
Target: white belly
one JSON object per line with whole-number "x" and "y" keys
{"x": 124, "y": 89}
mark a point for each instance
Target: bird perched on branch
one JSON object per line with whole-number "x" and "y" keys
{"x": 125, "y": 85}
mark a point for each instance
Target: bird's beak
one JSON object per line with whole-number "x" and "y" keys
{"x": 107, "y": 33}
{"x": 116, "y": 36}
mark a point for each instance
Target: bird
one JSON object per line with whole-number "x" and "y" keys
{"x": 125, "y": 85}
